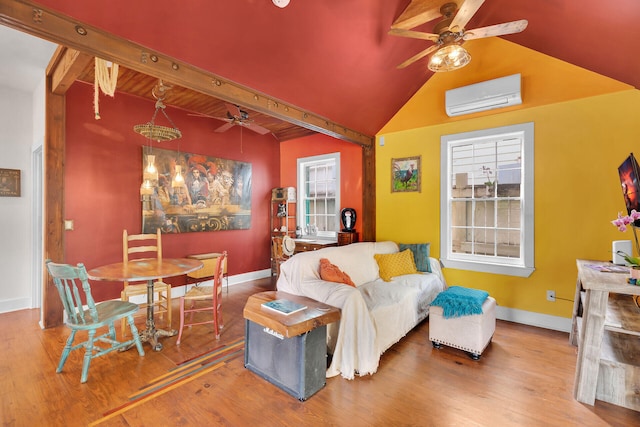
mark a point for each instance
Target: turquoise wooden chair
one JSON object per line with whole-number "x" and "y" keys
{"x": 66, "y": 278}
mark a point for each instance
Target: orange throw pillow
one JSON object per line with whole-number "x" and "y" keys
{"x": 331, "y": 273}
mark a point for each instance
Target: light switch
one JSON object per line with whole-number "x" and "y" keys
{"x": 68, "y": 224}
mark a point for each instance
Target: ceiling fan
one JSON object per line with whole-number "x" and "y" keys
{"x": 237, "y": 117}
{"x": 449, "y": 34}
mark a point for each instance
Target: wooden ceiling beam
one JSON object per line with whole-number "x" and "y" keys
{"x": 61, "y": 29}
{"x": 65, "y": 67}
{"x": 418, "y": 12}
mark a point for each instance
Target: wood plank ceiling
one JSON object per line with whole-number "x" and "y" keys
{"x": 138, "y": 84}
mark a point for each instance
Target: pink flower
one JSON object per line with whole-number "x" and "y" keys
{"x": 623, "y": 221}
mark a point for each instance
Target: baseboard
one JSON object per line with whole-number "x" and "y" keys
{"x": 178, "y": 291}
{"x": 539, "y": 320}
{"x": 15, "y": 304}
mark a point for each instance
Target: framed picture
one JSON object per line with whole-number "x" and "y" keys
{"x": 405, "y": 174}
{"x": 9, "y": 182}
{"x": 214, "y": 194}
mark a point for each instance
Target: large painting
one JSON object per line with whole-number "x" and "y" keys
{"x": 214, "y": 195}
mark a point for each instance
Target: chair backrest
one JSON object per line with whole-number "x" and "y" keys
{"x": 278, "y": 253}
{"x": 141, "y": 246}
{"x": 67, "y": 279}
{"x": 218, "y": 272}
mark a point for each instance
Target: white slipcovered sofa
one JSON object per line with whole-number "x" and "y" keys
{"x": 375, "y": 314}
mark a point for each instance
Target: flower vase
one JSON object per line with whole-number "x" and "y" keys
{"x": 635, "y": 272}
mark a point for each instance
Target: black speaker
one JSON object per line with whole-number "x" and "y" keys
{"x": 297, "y": 365}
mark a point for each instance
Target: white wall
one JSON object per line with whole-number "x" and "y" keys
{"x": 16, "y": 140}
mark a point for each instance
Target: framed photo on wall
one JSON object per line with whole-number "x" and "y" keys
{"x": 405, "y": 174}
{"x": 9, "y": 182}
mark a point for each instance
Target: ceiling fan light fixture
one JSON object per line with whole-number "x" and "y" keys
{"x": 281, "y": 3}
{"x": 449, "y": 58}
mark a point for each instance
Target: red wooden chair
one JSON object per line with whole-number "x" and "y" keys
{"x": 204, "y": 299}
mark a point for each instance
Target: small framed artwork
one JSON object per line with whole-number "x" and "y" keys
{"x": 405, "y": 174}
{"x": 9, "y": 182}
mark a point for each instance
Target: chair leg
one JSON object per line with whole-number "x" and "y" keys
{"x": 112, "y": 332}
{"x": 88, "y": 355}
{"x": 136, "y": 335}
{"x": 123, "y": 322}
{"x": 66, "y": 351}
{"x": 181, "y": 319}
{"x": 216, "y": 320}
{"x": 168, "y": 302}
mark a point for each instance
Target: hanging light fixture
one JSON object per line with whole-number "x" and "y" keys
{"x": 178, "y": 179}
{"x": 448, "y": 58}
{"x": 153, "y": 131}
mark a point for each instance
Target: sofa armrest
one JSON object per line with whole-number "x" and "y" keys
{"x": 436, "y": 268}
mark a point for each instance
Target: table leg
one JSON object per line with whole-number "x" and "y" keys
{"x": 151, "y": 334}
{"x": 589, "y": 344}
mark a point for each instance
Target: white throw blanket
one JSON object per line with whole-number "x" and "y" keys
{"x": 358, "y": 341}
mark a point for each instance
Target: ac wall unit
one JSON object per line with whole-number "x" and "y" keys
{"x": 489, "y": 95}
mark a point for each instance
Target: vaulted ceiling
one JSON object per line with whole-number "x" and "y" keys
{"x": 336, "y": 58}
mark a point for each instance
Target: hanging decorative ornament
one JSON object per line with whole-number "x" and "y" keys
{"x": 105, "y": 79}
{"x": 153, "y": 131}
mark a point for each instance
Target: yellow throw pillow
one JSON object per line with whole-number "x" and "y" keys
{"x": 396, "y": 264}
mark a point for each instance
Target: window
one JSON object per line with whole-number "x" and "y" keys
{"x": 487, "y": 200}
{"x": 319, "y": 194}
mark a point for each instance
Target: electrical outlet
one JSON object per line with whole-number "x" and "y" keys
{"x": 551, "y": 296}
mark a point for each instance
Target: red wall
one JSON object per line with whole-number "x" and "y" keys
{"x": 350, "y": 166}
{"x": 103, "y": 172}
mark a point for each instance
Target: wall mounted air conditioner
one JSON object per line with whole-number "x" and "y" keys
{"x": 489, "y": 95}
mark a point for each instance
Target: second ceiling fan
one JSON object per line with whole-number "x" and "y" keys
{"x": 238, "y": 117}
{"x": 449, "y": 34}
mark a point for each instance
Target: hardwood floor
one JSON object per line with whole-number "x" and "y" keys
{"x": 524, "y": 378}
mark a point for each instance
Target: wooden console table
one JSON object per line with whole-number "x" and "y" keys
{"x": 606, "y": 329}
{"x": 289, "y": 351}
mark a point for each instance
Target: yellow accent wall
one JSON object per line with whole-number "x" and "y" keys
{"x": 585, "y": 126}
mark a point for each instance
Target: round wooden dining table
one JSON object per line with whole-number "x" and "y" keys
{"x": 150, "y": 269}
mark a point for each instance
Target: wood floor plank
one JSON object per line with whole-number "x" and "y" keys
{"x": 524, "y": 378}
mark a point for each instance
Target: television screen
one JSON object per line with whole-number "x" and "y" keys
{"x": 628, "y": 172}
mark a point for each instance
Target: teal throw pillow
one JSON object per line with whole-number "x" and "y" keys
{"x": 420, "y": 255}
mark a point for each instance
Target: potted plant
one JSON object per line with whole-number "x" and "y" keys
{"x": 623, "y": 223}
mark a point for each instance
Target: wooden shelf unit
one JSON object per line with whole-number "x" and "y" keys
{"x": 606, "y": 327}
{"x": 282, "y": 214}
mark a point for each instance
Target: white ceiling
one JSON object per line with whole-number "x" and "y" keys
{"x": 23, "y": 59}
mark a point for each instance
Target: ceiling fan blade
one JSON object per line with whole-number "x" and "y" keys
{"x": 465, "y": 13}
{"x": 225, "y": 127}
{"x": 419, "y": 56}
{"x": 257, "y": 128}
{"x": 496, "y": 30}
{"x": 418, "y": 12}
{"x": 414, "y": 34}
{"x": 234, "y": 110}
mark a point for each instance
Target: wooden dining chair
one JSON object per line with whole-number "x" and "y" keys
{"x": 96, "y": 316}
{"x": 202, "y": 299}
{"x": 277, "y": 253}
{"x": 139, "y": 246}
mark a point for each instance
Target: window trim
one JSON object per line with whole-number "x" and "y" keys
{"x": 446, "y": 256}
{"x": 303, "y": 162}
